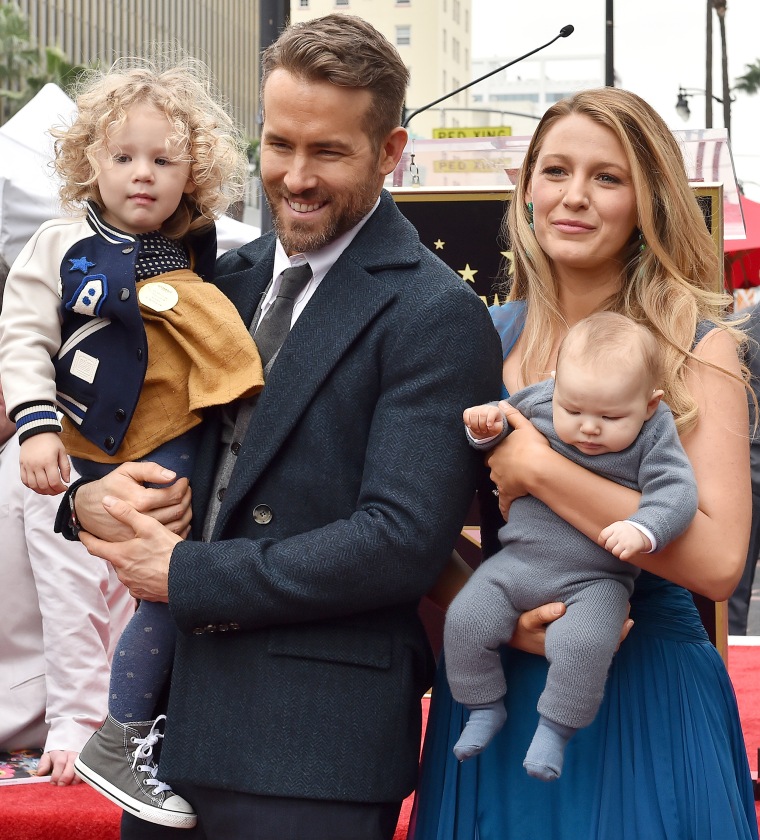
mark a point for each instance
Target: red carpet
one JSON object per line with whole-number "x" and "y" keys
{"x": 744, "y": 667}
{"x": 43, "y": 812}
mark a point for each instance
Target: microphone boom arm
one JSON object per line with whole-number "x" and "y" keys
{"x": 563, "y": 33}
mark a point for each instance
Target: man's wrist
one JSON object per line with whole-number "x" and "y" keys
{"x": 74, "y": 525}
{"x": 66, "y": 521}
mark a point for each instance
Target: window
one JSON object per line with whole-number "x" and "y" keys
{"x": 445, "y": 41}
{"x": 403, "y": 36}
{"x": 455, "y": 49}
{"x": 403, "y": 2}
{"x": 304, "y": 4}
{"x": 341, "y": 2}
{"x": 455, "y": 11}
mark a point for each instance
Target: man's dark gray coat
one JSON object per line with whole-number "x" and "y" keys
{"x": 301, "y": 658}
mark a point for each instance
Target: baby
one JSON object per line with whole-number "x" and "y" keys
{"x": 602, "y": 410}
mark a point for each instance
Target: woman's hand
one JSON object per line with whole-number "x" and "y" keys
{"x": 513, "y": 459}
{"x": 530, "y": 633}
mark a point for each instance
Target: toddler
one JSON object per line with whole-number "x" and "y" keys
{"x": 602, "y": 410}
{"x": 106, "y": 318}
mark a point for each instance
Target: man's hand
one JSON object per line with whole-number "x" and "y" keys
{"x": 142, "y": 562}
{"x": 44, "y": 464}
{"x": 59, "y": 765}
{"x": 624, "y": 540}
{"x": 168, "y": 505}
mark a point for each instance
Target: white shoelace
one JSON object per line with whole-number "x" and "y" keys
{"x": 145, "y": 751}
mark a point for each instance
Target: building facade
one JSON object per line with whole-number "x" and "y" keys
{"x": 433, "y": 37}
{"x": 518, "y": 96}
{"x": 221, "y": 33}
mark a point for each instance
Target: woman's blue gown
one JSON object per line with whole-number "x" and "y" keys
{"x": 664, "y": 759}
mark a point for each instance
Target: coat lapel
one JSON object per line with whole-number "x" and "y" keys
{"x": 349, "y": 298}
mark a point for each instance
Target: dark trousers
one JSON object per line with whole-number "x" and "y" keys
{"x": 738, "y": 603}
{"x": 227, "y": 815}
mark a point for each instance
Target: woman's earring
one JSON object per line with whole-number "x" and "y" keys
{"x": 642, "y": 242}
{"x": 530, "y": 214}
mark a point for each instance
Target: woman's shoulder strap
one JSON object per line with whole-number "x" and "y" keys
{"x": 703, "y": 327}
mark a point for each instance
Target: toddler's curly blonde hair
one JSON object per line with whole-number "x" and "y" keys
{"x": 202, "y": 135}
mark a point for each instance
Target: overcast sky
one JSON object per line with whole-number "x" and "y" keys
{"x": 659, "y": 46}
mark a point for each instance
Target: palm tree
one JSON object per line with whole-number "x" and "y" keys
{"x": 750, "y": 81}
{"x": 54, "y": 66}
{"x": 720, "y": 9}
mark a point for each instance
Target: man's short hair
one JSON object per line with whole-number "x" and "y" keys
{"x": 349, "y": 52}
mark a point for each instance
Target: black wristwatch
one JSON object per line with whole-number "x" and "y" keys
{"x": 66, "y": 521}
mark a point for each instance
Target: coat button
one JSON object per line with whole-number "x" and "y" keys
{"x": 262, "y": 514}
{"x": 220, "y": 493}
{"x": 121, "y": 415}
{"x": 235, "y": 447}
{"x": 127, "y": 250}
{"x": 198, "y": 631}
{"x": 139, "y": 354}
{"x": 123, "y": 294}
{"x": 109, "y": 442}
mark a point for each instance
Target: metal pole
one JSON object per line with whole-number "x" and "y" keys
{"x": 708, "y": 66}
{"x": 273, "y": 17}
{"x": 609, "y": 45}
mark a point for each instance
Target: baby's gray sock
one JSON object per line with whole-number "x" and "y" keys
{"x": 547, "y": 750}
{"x": 485, "y": 721}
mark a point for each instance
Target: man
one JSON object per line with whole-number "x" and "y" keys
{"x": 327, "y": 513}
{"x": 62, "y": 616}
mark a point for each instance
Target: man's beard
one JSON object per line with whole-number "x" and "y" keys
{"x": 298, "y": 237}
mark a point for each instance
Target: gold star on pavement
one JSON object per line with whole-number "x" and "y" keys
{"x": 439, "y": 243}
{"x": 468, "y": 273}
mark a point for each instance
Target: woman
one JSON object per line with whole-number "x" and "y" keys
{"x": 603, "y": 218}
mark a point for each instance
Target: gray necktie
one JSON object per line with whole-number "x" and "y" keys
{"x": 275, "y": 325}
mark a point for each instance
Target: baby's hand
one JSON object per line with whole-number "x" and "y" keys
{"x": 624, "y": 540}
{"x": 483, "y": 421}
{"x": 44, "y": 464}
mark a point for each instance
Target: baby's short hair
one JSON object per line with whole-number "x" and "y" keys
{"x": 610, "y": 339}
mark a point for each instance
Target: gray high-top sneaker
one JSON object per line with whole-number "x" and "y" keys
{"x": 118, "y": 762}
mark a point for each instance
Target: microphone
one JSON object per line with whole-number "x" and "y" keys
{"x": 563, "y": 33}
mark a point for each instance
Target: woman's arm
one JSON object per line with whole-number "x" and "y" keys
{"x": 710, "y": 556}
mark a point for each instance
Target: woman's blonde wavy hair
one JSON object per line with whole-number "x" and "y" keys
{"x": 670, "y": 286}
{"x": 202, "y": 135}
